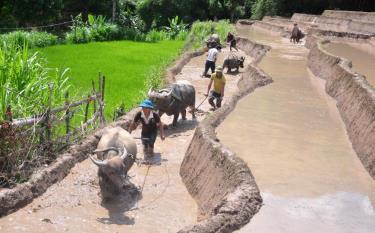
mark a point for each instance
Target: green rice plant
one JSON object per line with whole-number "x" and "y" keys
{"x": 25, "y": 82}
{"x": 126, "y": 64}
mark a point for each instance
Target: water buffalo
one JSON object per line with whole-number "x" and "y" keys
{"x": 296, "y": 35}
{"x": 174, "y": 99}
{"x": 213, "y": 41}
{"x": 116, "y": 153}
{"x": 233, "y": 62}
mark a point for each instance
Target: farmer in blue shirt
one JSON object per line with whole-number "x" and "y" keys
{"x": 150, "y": 121}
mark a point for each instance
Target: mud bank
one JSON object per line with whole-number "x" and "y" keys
{"x": 298, "y": 17}
{"x": 220, "y": 182}
{"x": 272, "y": 28}
{"x": 22, "y": 194}
{"x": 354, "y": 15}
{"x": 346, "y": 25}
{"x": 355, "y": 100}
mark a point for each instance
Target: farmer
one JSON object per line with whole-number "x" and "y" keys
{"x": 211, "y": 60}
{"x": 232, "y": 41}
{"x": 150, "y": 123}
{"x": 295, "y": 34}
{"x": 218, "y": 91}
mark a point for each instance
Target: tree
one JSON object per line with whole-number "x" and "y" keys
{"x": 227, "y": 8}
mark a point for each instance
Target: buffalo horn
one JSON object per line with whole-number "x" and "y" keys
{"x": 107, "y": 149}
{"x": 98, "y": 162}
{"x": 124, "y": 154}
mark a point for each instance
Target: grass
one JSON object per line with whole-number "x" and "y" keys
{"x": 125, "y": 64}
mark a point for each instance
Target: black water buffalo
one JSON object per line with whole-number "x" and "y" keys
{"x": 174, "y": 99}
{"x": 296, "y": 35}
{"x": 233, "y": 62}
{"x": 213, "y": 41}
{"x": 116, "y": 152}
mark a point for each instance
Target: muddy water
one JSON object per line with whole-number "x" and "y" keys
{"x": 291, "y": 136}
{"x": 363, "y": 62}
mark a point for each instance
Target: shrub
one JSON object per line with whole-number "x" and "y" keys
{"x": 32, "y": 39}
{"x": 201, "y": 30}
{"x": 96, "y": 29}
{"x": 154, "y": 36}
{"x": 175, "y": 27}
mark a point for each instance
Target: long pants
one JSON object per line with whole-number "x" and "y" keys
{"x": 233, "y": 45}
{"x": 209, "y": 65}
{"x": 213, "y": 96}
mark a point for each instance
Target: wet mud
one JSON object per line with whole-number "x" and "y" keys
{"x": 294, "y": 141}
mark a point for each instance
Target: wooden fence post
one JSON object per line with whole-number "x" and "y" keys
{"x": 48, "y": 114}
{"x": 102, "y": 98}
{"x": 94, "y": 93}
{"x": 67, "y": 114}
{"x": 87, "y": 107}
{"x": 9, "y": 114}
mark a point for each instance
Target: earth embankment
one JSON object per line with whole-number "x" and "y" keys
{"x": 219, "y": 181}
{"x": 354, "y": 15}
{"x": 355, "y": 100}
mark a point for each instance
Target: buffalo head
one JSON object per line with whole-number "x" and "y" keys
{"x": 161, "y": 98}
{"x": 116, "y": 167}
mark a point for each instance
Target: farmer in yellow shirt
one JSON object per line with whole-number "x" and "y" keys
{"x": 218, "y": 92}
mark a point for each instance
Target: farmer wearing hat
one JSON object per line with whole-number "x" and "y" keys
{"x": 150, "y": 123}
{"x": 218, "y": 91}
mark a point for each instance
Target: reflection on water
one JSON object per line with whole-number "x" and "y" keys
{"x": 363, "y": 63}
{"x": 292, "y": 137}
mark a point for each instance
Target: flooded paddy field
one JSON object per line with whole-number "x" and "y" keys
{"x": 293, "y": 139}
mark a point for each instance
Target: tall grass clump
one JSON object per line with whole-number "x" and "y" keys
{"x": 32, "y": 39}
{"x": 95, "y": 29}
{"x": 25, "y": 82}
{"x": 201, "y": 30}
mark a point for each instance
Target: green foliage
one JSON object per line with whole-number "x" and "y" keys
{"x": 265, "y": 7}
{"x": 32, "y": 39}
{"x": 227, "y": 8}
{"x": 95, "y": 29}
{"x": 175, "y": 27}
{"x": 25, "y": 80}
{"x": 201, "y": 30}
{"x": 155, "y": 35}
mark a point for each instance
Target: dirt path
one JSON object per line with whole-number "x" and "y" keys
{"x": 294, "y": 141}
{"x": 73, "y": 205}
